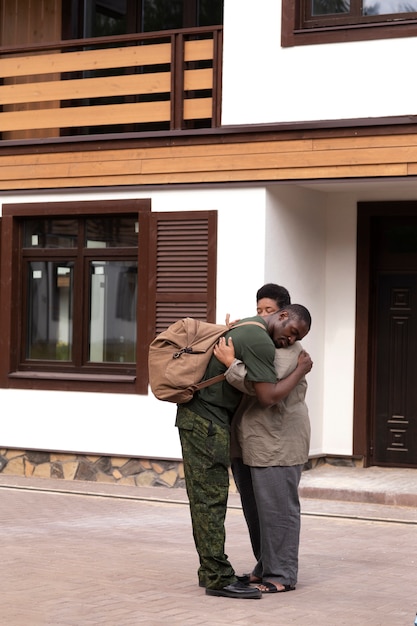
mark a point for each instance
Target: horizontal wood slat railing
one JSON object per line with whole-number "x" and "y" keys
{"x": 172, "y": 80}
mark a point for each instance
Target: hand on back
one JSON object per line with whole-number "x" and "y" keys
{"x": 225, "y": 352}
{"x": 304, "y": 362}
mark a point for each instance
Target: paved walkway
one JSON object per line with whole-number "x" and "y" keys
{"x": 88, "y": 555}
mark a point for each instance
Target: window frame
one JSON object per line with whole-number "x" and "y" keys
{"x": 298, "y": 28}
{"x": 15, "y": 369}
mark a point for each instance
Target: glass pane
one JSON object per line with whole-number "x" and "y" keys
{"x": 113, "y": 296}
{"x": 384, "y": 7}
{"x": 111, "y": 232}
{"x": 210, "y": 12}
{"x": 329, "y": 7}
{"x": 50, "y": 301}
{"x": 162, "y": 14}
{"x": 107, "y": 18}
{"x": 50, "y": 233}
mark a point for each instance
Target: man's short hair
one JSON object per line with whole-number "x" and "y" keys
{"x": 274, "y": 292}
{"x": 300, "y": 312}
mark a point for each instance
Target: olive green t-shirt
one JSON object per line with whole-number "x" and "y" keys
{"x": 255, "y": 348}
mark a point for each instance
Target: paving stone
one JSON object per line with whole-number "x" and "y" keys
{"x": 83, "y": 554}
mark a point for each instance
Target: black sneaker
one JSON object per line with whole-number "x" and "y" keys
{"x": 236, "y": 590}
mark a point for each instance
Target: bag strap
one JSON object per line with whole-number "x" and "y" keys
{"x": 208, "y": 382}
{"x": 247, "y": 324}
{"x": 220, "y": 377}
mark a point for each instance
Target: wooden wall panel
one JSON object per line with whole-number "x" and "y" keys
{"x": 227, "y": 160}
{"x": 197, "y": 50}
{"x": 29, "y": 21}
{"x": 25, "y": 22}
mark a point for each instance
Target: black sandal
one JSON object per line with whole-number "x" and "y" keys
{"x": 271, "y": 588}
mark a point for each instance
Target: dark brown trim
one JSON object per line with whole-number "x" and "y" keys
{"x": 362, "y": 357}
{"x": 217, "y": 78}
{"x": 242, "y": 133}
{"x": 212, "y": 267}
{"x": 177, "y": 82}
{"x": 144, "y": 310}
{"x": 106, "y": 378}
{"x": 84, "y": 207}
{"x": 68, "y": 384}
{"x": 98, "y": 41}
{"x": 7, "y": 339}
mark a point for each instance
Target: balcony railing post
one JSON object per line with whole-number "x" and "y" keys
{"x": 177, "y": 81}
{"x": 217, "y": 77}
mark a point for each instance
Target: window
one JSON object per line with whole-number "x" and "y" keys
{"x": 87, "y": 285}
{"x": 101, "y": 261}
{"x": 329, "y": 21}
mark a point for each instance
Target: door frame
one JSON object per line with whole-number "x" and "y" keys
{"x": 365, "y": 334}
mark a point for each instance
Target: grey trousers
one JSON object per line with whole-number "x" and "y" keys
{"x": 243, "y": 479}
{"x": 274, "y": 492}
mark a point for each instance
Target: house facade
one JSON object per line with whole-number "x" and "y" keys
{"x": 159, "y": 160}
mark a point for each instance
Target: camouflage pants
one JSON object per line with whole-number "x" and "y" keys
{"x": 205, "y": 450}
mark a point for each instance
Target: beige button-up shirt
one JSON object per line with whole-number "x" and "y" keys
{"x": 277, "y": 435}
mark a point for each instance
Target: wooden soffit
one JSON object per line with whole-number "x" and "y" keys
{"x": 224, "y": 155}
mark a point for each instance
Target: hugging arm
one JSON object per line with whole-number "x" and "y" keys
{"x": 267, "y": 394}
{"x": 236, "y": 376}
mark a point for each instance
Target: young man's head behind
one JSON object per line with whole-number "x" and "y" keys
{"x": 271, "y": 298}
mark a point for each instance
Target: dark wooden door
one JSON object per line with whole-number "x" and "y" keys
{"x": 385, "y": 402}
{"x": 395, "y": 388}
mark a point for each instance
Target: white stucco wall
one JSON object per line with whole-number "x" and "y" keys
{"x": 340, "y": 307}
{"x": 264, "y": 83}
{"x": 296, "y": 258}
{"x": 311, "y": 249}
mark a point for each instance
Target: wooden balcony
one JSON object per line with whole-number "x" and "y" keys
{"x": 163, "y": 81}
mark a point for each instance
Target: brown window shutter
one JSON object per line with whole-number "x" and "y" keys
{"x": 183, "y": 267}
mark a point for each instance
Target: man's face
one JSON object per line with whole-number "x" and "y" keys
{"x": 285, "y": 331}
{"x": 266, "y": 306}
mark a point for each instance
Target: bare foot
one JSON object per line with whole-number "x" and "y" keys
{"x": 254, "y": 579}
{"x": 249, "y": 579}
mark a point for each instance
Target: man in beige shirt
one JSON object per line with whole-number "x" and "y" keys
{"x": 269, "y": 448}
